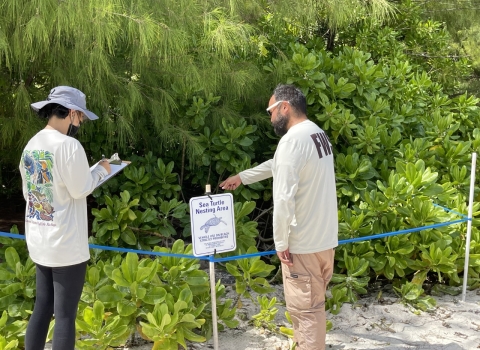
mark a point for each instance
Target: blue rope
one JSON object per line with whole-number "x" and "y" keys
{"x": 125, "y": 250}
{"x": 388, "y": 234}
{"x": 146, "y": 252}
{"x": 237, "y": 257}
{"x": 451, "y": 211}
{"x": 358, "y": 239}
{"x": 12, "y": 235}
{"x": 271, "y": 252}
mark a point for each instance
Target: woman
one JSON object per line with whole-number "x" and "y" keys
{"x": 56, "y": 180}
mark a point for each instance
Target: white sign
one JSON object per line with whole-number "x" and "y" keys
{"x": 213, "y": 224}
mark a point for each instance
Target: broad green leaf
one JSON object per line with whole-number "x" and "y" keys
{"x": 178, "y": 247}
{"x": 19, "y": 309}
{"x": 186, "y": 295}
{"x": 233, "y": 270}
{"x": 181, "y": 337}
{"x": 129, "y": 267}
{"x": 117, "y": 276}
{"x": 258, "y": 267}
{"x": 98, "y": 310}
{"x": 196, "y": 278}
{"x": 143, "y": 273}
{"x": 129, "y": 237}
{"x": 12, "y": 258}
{"x": 190, "y": 335}
{"x": 108, "y": 294}
{"x": 126, "y": 308}
{"x": 125, "y": 196}
{"x": 246, "y": 209}
{"x": 3, "y": 319}
{"x": 6, "y": 275}
{"x": 12, "y": 288}
{"x": 93, "y": 275}
{"x": 166, "y": 319}
{"x": 187, "y": 318}
{"x": 6, "y": 301}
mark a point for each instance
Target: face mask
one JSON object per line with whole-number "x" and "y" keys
{"x": 72, "y": 130}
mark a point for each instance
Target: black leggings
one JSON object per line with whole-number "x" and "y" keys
{"x": 58, "y": 292}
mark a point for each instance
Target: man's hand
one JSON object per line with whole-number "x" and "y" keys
{"x": 285, "y": 257}
{"x": 231, "y": 183}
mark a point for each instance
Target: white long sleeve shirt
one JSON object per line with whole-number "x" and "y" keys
{"x": 304, "y": 194}
{"x": 56, "y": 181}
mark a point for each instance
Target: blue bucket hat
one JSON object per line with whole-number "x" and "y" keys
{"x": 68, "y": 97}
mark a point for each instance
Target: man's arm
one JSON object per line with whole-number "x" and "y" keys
{"x": 260, "y": 172}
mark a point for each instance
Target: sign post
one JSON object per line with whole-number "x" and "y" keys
{"x": 213, "y": 231}
{"x": 469, "y": 225}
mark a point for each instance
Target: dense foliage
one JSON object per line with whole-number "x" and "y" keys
{"x": 461, "y": 19}
{"x": 181, "y": 95}
{"x": 158, "y": 72}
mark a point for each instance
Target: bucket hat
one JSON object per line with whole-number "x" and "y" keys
{"x": 68, "y": 97}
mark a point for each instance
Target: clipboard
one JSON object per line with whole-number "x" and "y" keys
{"x": 115, "y": 169}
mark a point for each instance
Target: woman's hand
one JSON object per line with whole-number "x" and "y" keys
{"x": 106, "y": 165}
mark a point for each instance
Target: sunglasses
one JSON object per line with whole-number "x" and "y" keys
{"x": 269, "y": 109}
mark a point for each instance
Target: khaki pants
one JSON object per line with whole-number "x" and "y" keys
{"x": 304, "y": 285}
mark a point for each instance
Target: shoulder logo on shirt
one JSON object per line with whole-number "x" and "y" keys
{"x": 38, "y": 172}
{"x": 322, "y": 142}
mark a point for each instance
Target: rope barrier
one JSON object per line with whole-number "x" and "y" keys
{"x": 345, "y": 241}
{"x": 147, "y": 252}
{"x": 270, "y": 252}
{"x": 124, "y": 250}
{"x": 451, "y": 211}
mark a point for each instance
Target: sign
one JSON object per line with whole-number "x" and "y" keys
{"x": 213, "y": 224}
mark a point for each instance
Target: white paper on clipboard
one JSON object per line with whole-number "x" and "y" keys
{"x": 115, "y": 169}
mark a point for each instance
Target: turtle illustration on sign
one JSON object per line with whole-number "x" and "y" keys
{"x": 212, "y": 222}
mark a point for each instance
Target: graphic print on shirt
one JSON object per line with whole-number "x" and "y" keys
{"x": 38, "y": 172}
{"x": 322, "y": 142}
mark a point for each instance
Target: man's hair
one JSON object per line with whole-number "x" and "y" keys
{"x": 53, "y": 109}
{"x": 293, "y": 95}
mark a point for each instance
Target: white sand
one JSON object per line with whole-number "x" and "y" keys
{"x": 453, "y": 325}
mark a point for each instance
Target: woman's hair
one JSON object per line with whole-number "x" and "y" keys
{"x": 53, "y": 109}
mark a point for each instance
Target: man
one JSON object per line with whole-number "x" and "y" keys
{"x": 305, "y": 225}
